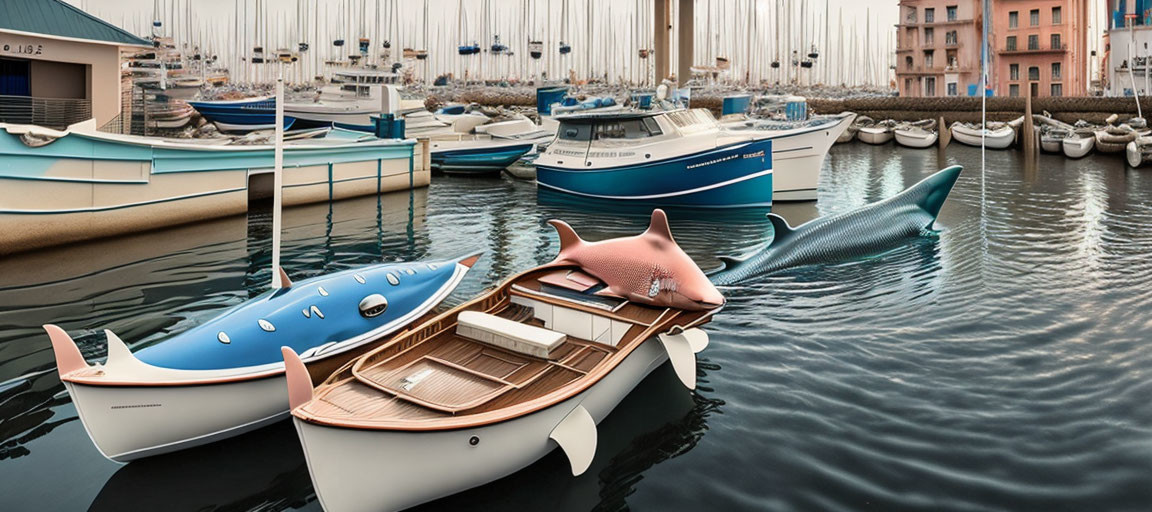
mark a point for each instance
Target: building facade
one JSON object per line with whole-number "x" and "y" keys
{"x": 938, "y": 47}
{"x": 59, "y": 64}
{"x": 1041, "y": 47}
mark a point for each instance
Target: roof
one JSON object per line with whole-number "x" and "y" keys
{"x": 54, "y": 18}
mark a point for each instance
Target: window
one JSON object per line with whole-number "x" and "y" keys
{"x": 1056, "y": 71}
{"x": 1034, "y": 73}
{"x": 952, "y": 12}
{"x": 908, "y": 86}
{"x": 1013, "y": 71}
{"x": 930, "y": 86}
{"x": 929, "y": 15}
{"x": 950, "y": 38}
{"x": 929, "y": 35}
{"x": 908, "y": 62}
{"x": 1014, "y": 90}
{"x": 1056, "y": 16}
{"x": 1033, "y": 42}
{"x": 952, "y": 89}
{"x": 1013, "y": 19}
{"x": 928, "y": 60}
{"x": 1055, "y": 41}
{"x": 1011, "y": 45}
{"x": 1057, "y": 90}
{"x": 1034, "y": 17}
{"x": 628, "y": 129}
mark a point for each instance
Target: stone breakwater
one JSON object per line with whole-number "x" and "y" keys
{"x": 967, "y": 109}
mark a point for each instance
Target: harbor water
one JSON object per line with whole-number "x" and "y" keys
{"x": 1002, "y": 364}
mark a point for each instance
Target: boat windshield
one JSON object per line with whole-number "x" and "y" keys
{"x": 625, "y": 129}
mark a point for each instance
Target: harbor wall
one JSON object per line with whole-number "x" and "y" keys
{"x": 1092, "y": 109}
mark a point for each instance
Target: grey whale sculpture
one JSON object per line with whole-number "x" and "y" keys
{"x": 853, "y": 234}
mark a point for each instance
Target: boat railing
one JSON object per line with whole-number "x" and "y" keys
{"x": 48, "y": 112}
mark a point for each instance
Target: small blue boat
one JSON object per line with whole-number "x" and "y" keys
{"x": 476, "y": 157}
{"x": 673, "y": 158}
{"x": 242, "y": 115}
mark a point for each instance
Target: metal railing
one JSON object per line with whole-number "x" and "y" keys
{"x": 47, "y": 112}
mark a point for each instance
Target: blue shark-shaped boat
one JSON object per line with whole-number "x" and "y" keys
{"x": 226, "y": 376}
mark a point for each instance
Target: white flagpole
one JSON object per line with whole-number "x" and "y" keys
{"x": 278, "y": 173}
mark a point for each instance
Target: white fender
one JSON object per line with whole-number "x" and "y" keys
{"x": 576, "y": 435}
{"x": 683, "y": 359}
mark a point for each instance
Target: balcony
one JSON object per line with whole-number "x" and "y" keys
{"x": 48, "y": 112}
{"x": 1033, "y": 51}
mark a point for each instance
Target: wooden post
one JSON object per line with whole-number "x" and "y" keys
{"x": 685, "y": 31}
{"x": 662, "y": 27}
{"x": 1028, "y": 131}
{"x": 943, "y": 134}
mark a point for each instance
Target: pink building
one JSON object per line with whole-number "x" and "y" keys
{"x": 938, "y": 47}
{"x": 1041, "y": 47}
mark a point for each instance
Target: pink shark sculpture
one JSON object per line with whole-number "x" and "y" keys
{"x": 648, "y": 268}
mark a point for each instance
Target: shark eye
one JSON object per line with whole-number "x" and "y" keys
{"x": 373, "y": 305}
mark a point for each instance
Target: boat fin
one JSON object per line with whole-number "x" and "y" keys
{"x": 659, "y": 225}
{"x": 576, "y": 435}
{"x": 683, "y": 358}
{"x": 697, "y": 339}
{"x": 568, "y": 237}
{"x": 780, "y": 227}
{"x": 119, "y": 355}
{"x": 68, "y": 356}
{"x": 284, "y": 281}
{"x": 299, "y": 381}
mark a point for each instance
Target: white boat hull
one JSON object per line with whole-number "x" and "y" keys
{"x": 916, "y": 139}
{"x": 130, "y": 422}
{"x": 1078, "y": 147}
{"x": 1108, "y": 143}
{"x": 1050, "y": 145}
{"x": 331, "y": 114}
{"x": 1001, "y": 138}
{"x": 375, "y": 470}
{"x": 1133, "y": 153}
{"x": 798, "y": 159}
{"x": 876, "y": 136}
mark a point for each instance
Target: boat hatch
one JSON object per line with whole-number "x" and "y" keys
{"x": 373, "y": 305}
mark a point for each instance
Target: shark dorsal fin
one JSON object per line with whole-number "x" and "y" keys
{"x": 931, "y": 192}
{"x": 780, "y": 227}
{"x": 659, "y": 226}
{"x": 728, "y": 262}
{"x": 568, "y": 236}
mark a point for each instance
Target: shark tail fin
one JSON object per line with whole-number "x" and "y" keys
{"x": 658, "y": 227}
{"x": 568, "y": 237}
{"x": 932, "y": 191}
{"x": 780, "y": 228}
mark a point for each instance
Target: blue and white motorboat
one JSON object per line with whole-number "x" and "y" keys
{"x": 226, "y": 376}
{"x": 798, "y": 150}
{"x": 674, "y": 158}
{"x": 241, "y": 115}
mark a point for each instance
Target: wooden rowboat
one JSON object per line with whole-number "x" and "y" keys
{"x": 491, "y": 386}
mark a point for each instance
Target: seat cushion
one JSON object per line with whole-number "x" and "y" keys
{"x": 506, "y": 334}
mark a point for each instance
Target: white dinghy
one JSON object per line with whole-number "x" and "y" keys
{"x": 921, "y": 134}
{"x": 996, "y": 135}
{"x": 877, "y": 134}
